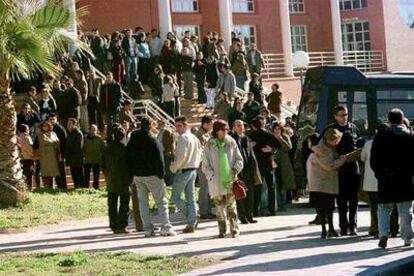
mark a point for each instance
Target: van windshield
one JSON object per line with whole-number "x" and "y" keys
{"x": 309, "y": 106}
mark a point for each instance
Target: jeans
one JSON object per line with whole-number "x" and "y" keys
{"x": 131, "y": 68}
{"x": 184, "y": 182}
{"x": 95, "y": 170}
{"x": 203, "y": 194}
{"x": 155, "y": 186}
{"x": 188, "y": 84}
{"x": 280, "y": 191}
{"x": 118, "y": 213}
{"x": 269, "y": 192}
{"x": 405, "y": 211}
{"x": 240, "y": 81}
{"x": 77, "y": 176}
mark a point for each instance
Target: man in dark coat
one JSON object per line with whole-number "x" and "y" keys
{"x": 98, "y": 49}
{"x": 349, "y": 178}
{"x": 251, "y": 108}
{"x": 28, "y": 117}
{"x": 73, "y": 99}
{"x": 390, "y": 152}
{"x": 265, "y": 144}
{"x": 74, "y": 153}
{"x": 94, "y": 106}
{"x": 61, "y": 134}
{"x": 250, "y": 174}
{"x": 111, "y": 99}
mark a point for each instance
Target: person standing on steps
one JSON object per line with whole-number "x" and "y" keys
{"x": 187, "y": 160}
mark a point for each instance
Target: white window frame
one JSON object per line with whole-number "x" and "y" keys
{"x": 184, "y": 6}
{"x": 353, "y": 6}
{"x": 354, "y": 44}
{"x": 241, "y": 32}
{"x": 242, "y": 6}
{"x": 179, "y": 30}
{"x": 297, "y": 36}
{"x": 297, "y": 6}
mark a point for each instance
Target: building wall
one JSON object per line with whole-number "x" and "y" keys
{"x": 317, "y": 18}
{"x": 399, "y": 39}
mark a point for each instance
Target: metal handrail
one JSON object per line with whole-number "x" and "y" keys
{"x": 154, "y": 111}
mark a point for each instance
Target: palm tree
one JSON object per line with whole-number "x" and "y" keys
{"x": 30, "y": 36}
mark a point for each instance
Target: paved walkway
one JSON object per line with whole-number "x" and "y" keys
{"x": 281, "y": 245}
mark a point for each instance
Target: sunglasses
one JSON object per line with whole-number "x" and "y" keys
{"x": 343, "y": 115}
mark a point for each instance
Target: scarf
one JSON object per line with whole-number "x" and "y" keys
{"x": 226, "y": 178}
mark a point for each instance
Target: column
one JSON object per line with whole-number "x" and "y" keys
{"x": 337, "y": 32}
{"x": 226, "y": 21}
{"x": 74, "y": 28}
{"x": 164, "y": 15}
{"x": 286, "y": 40}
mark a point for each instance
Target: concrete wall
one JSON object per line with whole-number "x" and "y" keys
{"x": 399, "y": 38}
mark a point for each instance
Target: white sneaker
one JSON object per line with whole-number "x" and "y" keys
{"x": 149, "y": 234}
{"x": 168, "y": 232}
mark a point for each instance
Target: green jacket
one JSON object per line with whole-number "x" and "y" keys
{"x": 73, "y": 150}
{"x": 283, "y": 161}
{"x": 92, "y": 149}
{"x": 115, "y": 167}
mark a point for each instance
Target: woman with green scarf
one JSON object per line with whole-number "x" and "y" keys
{"x": 222, "y": 162}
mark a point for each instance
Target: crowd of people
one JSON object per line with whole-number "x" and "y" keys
{"x": 86, "y": 123}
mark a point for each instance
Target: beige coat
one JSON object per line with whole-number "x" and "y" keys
{"x": 25, "y": 146}
{"x": 322, "y": 171}
{"x": 49, "y": 154}
{"x": 211, "y": 164}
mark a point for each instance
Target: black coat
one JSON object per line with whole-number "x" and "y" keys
{"x": 62, "y": 135}
{"x": 257, "y": 90}
{"x": 111, "y": 98}
{"x": 235, "y": 115}
{"x": 252, "y": 110}
{"x": 390, "y": 154}
{"x": 72, "y": 102}
{"x": 144, "y": 158}
{"x": 200, "y": 70}
{"x": 264, "y": 138}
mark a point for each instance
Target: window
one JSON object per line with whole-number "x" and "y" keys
{"x": 181, "y": 29}
{"x": 360, "y": 111}
{"x": 346, "y": 5}
{"x": 299, "y": 38}
{"x": 388, "y": 99}
{"x": 356, "y": 36}
{"x": 296, "y": 6}
{"x": 243, "y": 6}
{"x": 184, "y": 5}
{"x": 247, "y": 33}
{"x": 407, "y": 12}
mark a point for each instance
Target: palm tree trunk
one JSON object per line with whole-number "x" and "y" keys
{"x": 12, "y": 186}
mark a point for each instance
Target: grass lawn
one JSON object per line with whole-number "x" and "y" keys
{"x": 80, "y": 263}
{"x": 48, "y": 206}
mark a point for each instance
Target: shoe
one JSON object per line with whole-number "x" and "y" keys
{"x": 408, "y": 243}
{"x": 235, "y": 234}
{"x": 332, "y": 234}
{"x": 323, "y": 235}
{"x": 353, "y": 232}
{"x": 383, "y": 242}
{"x": 282, "y": 209}
{"x": 221, "y": 236}
{"x": 205, "y": 217}
{"x": 149, "y": 234}
{"x": 373, "y": 233}
{"x": 168, "y": 232}
{"x": 122, "y": 231}
{"x": 344, "y": 232}
{"x": 316, "y": 221}
{"x": 252, "y": 220}
{"x": 244, "y": 221}
{"x": 189, "y": 229}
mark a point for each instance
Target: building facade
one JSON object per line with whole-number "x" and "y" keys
{"x": 373, "y": 35}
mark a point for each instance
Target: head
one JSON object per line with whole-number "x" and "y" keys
{"x": 238, "y": 127}
{"x": 93, "y": 130}
{"x": 79, "y": 74}
{"x": 341, "y": 114}
{"x": 154, "y": 33}
{"x": 118, "y": 134}
{"x": 257, "y": 123}
{"x": 277, "y": 129}
{"x": 167, "y": 43}
{"x": 158, "y": 69}
{"x": 255, "y": 77}
{"x": 52, "y": 119}
{"x": 238, "y": 105}
{"x": 332, "y": 136}
{"x": 187, "y": 34}
{"x": 250, "y": 96}
{"x": 275, "y": 87}
{"x": 312, "y": 140}
{"x": 56, "y": 84}
{"x": 74, "y": 66}
{"x": 199, "y": 55}
{"x": 95, "y": 32}
{"x": 25, "y": 108}
{"x": 141, "y": 37}
{"x": 24, "y": 129}
{"x": 72, "y": 124}
{"x": 396, "y": 117}
{"x": 109, "y": 77}
{"x": 253, "y": 46}
{"x": 128, "y": 33}
{"x": 32, "y": 92}
{"x": 147, "y": 124}
{"x": 181, "y": 124}
{"x": 44, "y": 92}
{"x": 91, "y": 73}
{"x": 68, "y": 81}
{"x": 46, "y": 127}
{"x": 220, "y": 129}
{"x": 127, "y": 104}
{"x": 207, "y": 123}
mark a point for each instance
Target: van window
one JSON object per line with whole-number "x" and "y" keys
{"x": 360, "y": 111}
{"x": 309, "y": 107}
{"x": 388, "y": 99}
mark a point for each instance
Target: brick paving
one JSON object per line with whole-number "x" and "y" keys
{"x": 280, "y": 245}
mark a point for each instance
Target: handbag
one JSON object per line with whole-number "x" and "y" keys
{"x": 239, "y": 189}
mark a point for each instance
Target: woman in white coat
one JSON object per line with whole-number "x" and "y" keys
{"x": 222, "y": 162}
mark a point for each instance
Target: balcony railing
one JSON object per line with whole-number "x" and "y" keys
{"x": 366, "y": 61}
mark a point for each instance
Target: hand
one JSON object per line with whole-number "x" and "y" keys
{"x": 267, "y": 149}
{"x": 235, "y": 173}
{"x": 316, "y": 150}
{"x": 343, "y": 157}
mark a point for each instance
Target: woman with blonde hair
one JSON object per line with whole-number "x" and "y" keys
{"x": 49, "y": 154}
{"x": 322, "y": 174}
